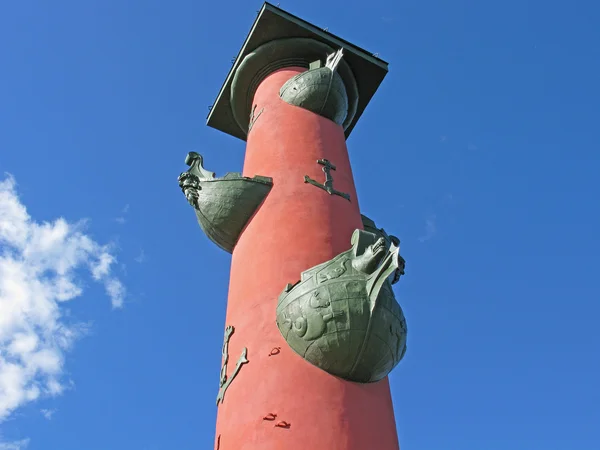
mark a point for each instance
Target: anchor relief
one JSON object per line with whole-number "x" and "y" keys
{"x": 328, "y": 185}
{"x": 342, "y": 315}
{"x": 225, "y": 381}
{"x": 254, "y": 117}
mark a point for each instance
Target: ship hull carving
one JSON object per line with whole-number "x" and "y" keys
{"x": 223, "y": 206}
{"x": 342, "y": 316}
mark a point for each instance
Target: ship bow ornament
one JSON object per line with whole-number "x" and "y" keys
{"x": 223, "y": 205}
{"x": 342, "y": 315}
{"x": 320, "y": 90}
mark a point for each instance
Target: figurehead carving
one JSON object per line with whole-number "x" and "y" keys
{"x": 369, "y": 225}
{"x": 342, "y": 315}
{"x": 223, "y": 205}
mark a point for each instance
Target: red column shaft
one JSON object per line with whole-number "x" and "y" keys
{"x": 297, "y": 227}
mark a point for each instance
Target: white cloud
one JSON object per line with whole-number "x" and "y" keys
{"x": 48, "y": 413}
{"x": 101, "y": 268}
{"x": 40, "y": 269}
{"x": 116, "y": 292}
{"x": 15, "y": 445}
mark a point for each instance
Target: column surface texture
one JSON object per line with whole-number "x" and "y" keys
{"x": 297, "y": 227}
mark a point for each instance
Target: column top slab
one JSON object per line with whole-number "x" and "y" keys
{"x": 272, "y": 23}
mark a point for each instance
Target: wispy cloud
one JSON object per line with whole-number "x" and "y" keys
{"x": 15, "y": 445}
{"x": 40, "y": 268}
{"x": 121, "y": 219}
{"x": 141, "y": 257}
{"x": 471, "y": 147}
{"x": 48, "y": 413}
{"x": 430, "y": 228}
{"x": 116, "y": 292}
{"x": 443, "y": 139}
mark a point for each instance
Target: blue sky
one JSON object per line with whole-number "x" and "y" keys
{"x": 480, "y": 151}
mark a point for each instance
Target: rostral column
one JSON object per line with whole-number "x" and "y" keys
{"x": 313, "y": 327}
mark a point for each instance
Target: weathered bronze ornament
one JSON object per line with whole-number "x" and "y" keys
{"x": 254, "y": 117}
{"x": 328, "y": 185}
{"x": 280, "y": 53}
{"x": 342, "y": 315}
{"x": 225, "y": 381}
{"x": 223, "y": 205}
{"x": 369, "y": 225}
{"x": 320, "y": 90}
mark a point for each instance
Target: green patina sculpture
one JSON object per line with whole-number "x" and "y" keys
{"x": 225, "y": 355}
{"x": 254, "y": 117}
{"x": 320, "y": 90}
{"x": 225, "y": 381}
{"x": 342, "y": 315}
{"x": 223, "y": 205}
{"x": 328, "y": 185}
{"x": 369, "y": 225}
{"x": 296, "y": 52}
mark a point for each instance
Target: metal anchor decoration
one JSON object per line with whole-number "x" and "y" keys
{"x": 328, "y": 185}
{"x": 241, "y": 361}
{"x": 228, "y": 332}
{"x": 225, "y": 381}
{"x": 254, "y": 117}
